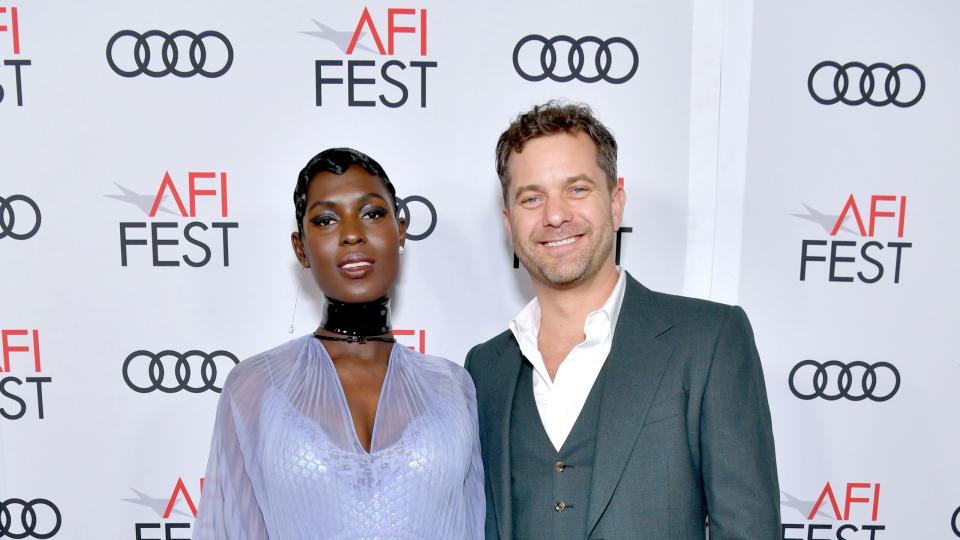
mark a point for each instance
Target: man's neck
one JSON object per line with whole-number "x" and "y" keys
{"x": 565, "y": 310}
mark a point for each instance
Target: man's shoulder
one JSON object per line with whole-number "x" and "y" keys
{"x": 681, "y": 309}
{"x": 482, "y": 352}
{"x": 682, "y": 315}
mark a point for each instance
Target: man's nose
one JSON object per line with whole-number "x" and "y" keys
{"x": 556, "y": 211}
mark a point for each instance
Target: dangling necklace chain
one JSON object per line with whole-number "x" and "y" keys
{"x": 357, "y": 339}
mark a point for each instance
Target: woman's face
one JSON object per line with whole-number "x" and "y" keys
{"x": 350, "y": 236}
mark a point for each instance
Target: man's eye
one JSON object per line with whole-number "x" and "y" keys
{"x": 533, "y": 199}
{"x": 580, "y": 189}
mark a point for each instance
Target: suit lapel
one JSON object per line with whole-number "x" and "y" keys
{"x": 507, "y": 367}
{"x": 632, "y": 374}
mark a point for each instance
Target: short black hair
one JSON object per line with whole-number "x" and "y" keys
{"x": 337, "y": 161}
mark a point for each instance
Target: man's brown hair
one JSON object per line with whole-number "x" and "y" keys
{"x": 551, "y": 118}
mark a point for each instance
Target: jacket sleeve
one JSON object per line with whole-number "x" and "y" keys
{"x": 228, "y": 507}
{"x": 739, "y": 464}
{"x": 490, "y": 520}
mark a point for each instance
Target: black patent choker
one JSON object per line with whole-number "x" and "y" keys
{"x": 357, "y": 323}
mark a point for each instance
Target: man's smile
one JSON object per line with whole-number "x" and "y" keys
{"x": 562, "y": 242}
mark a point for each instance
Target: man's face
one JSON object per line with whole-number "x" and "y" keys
{"x": 560, "y": 212}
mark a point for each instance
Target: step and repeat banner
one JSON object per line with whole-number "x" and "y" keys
{"x": 149, "y": 151}
{"x": 847, "y": 269}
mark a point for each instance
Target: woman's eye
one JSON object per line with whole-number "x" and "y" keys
{"x": 324, "y": 221}
{"x": 374, "y": 213}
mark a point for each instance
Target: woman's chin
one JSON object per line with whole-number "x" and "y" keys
{"x": 357, "y": 297}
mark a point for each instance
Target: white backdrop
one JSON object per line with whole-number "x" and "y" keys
{"x": 897, "y": 449}
{"x": 728, "y": 161}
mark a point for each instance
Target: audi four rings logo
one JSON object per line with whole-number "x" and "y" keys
{"x": 406, "y": 214}
{"x": 8, "y": 217}
{"x": 614, "y": 60}
{"x": 152, "y": 374}
{"x": 955, "y": 522}
{"x": 182, "y": 63}
{"x": 19, "y": 519}
{"x": 854, "y": 381}
{"x": 856, "y": 83}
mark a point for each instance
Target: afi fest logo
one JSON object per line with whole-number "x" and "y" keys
{"x": 161, "y": 241}
{"x": 21, "y": 375}
{"x": 11, "y": 73}
{"x": 415, "y": 340}
{"x": 389, "y": 78}
{"x": 172, "y": 517}
{"x": 865, "y": 259}
{"x": 850, "y": 512}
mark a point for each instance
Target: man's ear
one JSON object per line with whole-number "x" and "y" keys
{"x": 297, "y": 244}
{"x": 618, "y": 201}
{"x": 506, "y": 222}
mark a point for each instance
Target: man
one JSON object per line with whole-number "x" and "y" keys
{"x": 608, "y": 410}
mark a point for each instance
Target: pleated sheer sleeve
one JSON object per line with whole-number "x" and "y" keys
{"x": 473, "y": 493}
{"x": 286, "y": 462}
{"x": 229, "y": 509}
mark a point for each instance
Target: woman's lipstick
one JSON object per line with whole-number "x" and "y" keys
{"x": 356, "y": 266}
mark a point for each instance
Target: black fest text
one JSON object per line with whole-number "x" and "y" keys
{"x": 20, "y": 395}
{"x": 868, "y": 261}
{"x": 196, "y": 243}
{"x": 11, "y": 69}
{"x": 362, "y": 78}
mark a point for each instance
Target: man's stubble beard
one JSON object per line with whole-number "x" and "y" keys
{"x": 563, "y": 274}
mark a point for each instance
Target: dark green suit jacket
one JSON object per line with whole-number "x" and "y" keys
{"x": 684, "y": 428}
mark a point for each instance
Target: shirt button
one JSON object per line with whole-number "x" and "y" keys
{"x": 560, "y": 506}
{"x": 560, "y": 466}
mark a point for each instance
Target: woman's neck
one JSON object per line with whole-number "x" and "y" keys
{"x": 364, "y": 319}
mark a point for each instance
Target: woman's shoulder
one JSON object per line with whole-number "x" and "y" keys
{"x": 440, "y": 370}
{"x": 264, "y": 368}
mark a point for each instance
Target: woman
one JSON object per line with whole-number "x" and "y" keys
{"x": 344, "y": 433}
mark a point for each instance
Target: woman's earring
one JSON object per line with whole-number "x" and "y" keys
{"x": 296, "y": 300}
{"x": 401, "y": 250}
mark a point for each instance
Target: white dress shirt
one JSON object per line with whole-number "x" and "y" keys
{"x": 559, "y": 401}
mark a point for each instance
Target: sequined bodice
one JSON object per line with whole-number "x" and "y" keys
{"x": 284, "y": 423}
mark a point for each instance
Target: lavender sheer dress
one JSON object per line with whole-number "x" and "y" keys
{"x": 286, "y": 464}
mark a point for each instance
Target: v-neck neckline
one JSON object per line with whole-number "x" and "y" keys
{"x": 346, "y": 405}
{"x": 528, "y": 384}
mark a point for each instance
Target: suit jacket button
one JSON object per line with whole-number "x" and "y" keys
{"x": 560, "y": 466}
{"x": 560, "y": 506}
